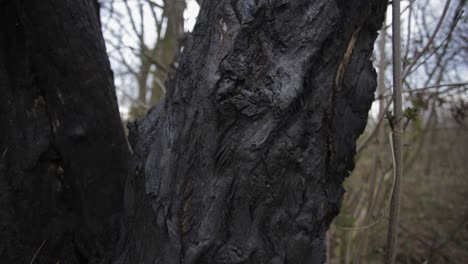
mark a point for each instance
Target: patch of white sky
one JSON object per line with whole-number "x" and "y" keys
{"x": 123, "y": 28}
{"x": 121, "y": 22}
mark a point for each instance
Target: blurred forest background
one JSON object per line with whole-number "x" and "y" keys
{"x": 145, "y": 39}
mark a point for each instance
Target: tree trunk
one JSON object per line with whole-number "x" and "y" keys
{"x": 243, "y": 162}
{"x": 63, "y": 154}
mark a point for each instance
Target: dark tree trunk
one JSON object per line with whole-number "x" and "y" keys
{"x": 244, "y": 160}
{"x": 63, "y": 154}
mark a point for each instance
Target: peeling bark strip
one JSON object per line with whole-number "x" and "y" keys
{"x": 244, "y": 160}
{"x": 63, "y": 151}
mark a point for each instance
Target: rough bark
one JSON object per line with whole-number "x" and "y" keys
{"x": 243, "y": 162}
{"x": 63, "y": 154}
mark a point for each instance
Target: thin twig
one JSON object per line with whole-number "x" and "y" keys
{"x": 4, "y": 153}
{"x": 37, "y": 252}
{"x": 138, "y": 102}
{"x": 366, "y": 141}
{"x": 386, "y": 207}
{"x": 430, "y": 41}
{"x": 420, "y": 89}
{"x": 397, "y": 134}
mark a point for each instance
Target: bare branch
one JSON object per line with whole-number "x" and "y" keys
{"x": 430, "y": 41}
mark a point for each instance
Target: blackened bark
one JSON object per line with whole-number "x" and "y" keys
{"x": 63, "y": 154}
{"x": 244, "y": 160}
